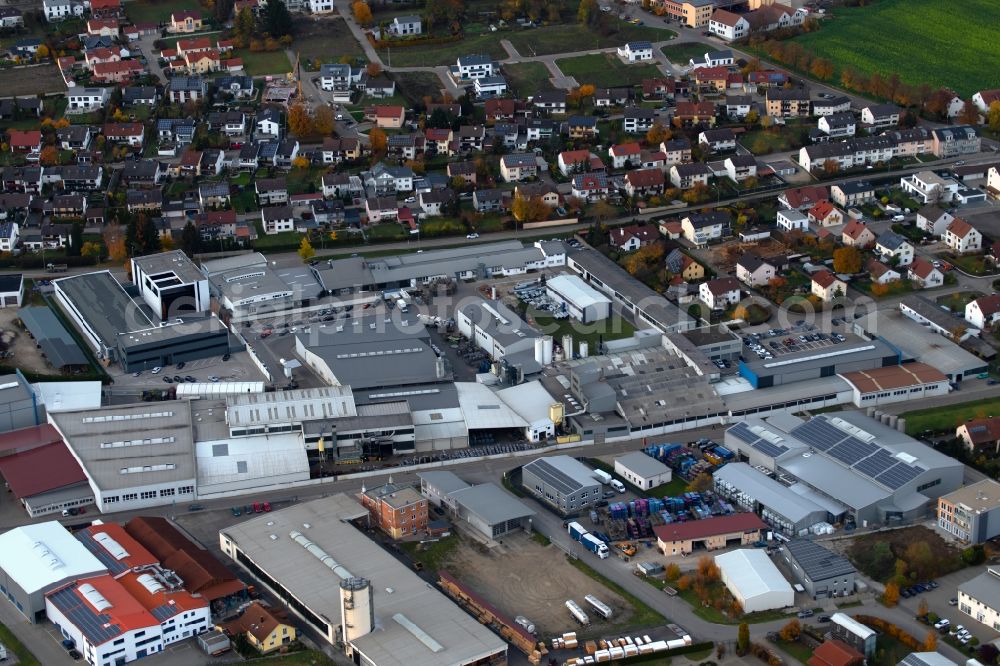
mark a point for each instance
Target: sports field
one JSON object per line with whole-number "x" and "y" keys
{"x": 952, "y": 44}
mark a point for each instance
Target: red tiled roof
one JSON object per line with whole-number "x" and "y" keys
{"x": 960, "y": 227}
{"x": 983, "y": 431}
{"x": 25, "y": 138}
{"x": 631, "y": 148}
{"x": 728, "y": 19}
{"x": 125, "y": 612}
{"x": 107, "y": 68}
{"x": 724, "y": 285}
{"x": 26, "y": 439}
{"x": 185, "y": 14}
{"x": 574, "y": 156}
{"x": 921, "y": 268}
{"x": 802, "y": 196}
{"x": 835, "y": 653}
{"x": 194, "y": 44}
{"x": 990, "y": 96}
{"x": 645, "y": 177}
{"x": 989, "y": 305}
{"x": 711, "y": 73}
{"x": 854, "y": 229}
{"x": 388, "y": 111}
{"x": 701, "y": 529}
{"x": 96, "y": 5}
{"x": 824, "y": 278}
{"x": 695, "y": 109}
{"x": 40, "y": 470}
{"x": 256, "y": 620}
{"x": 821, "y": 210}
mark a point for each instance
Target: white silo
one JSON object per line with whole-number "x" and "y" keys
{"x": 567, "y": 345}
{"x": 357, "y": 612}
{"x": 540, "y": 351}
{"x": 547, "y": 348}
{"x": 584, "y": 349}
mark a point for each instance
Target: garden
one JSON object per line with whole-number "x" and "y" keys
{"x": 528, "y": 78}
{"x": 606, "y": 70}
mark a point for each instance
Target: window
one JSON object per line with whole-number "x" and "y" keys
{"x": 127, "y": 497}
{"x": 111, "y": 499}
{"x": 147, "y": 494}
{"x": 166, "y": 492}
{"x": 185, "y": 490}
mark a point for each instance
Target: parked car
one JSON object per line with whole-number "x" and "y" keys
{"x": 226, "y": 356}
{"x": 806, "y": 613}
{"x": 257, "y": 508}
{"x": 953, "y": 601}
{"x": 157, "y": 370}
{"x": 237, "y": 512}
{"x": 74, "y": 655}
{"x": 267, "y": 507}
{"x": 168, "y": 380}
{"x": 472, "y": 236}
{"x": 195, "y": 507}
{"x": 180, "y": 366}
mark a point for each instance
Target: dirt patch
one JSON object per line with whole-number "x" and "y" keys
{"x": 924, "y": 552}
{"x": 16, "y": 341}
{"x": 725, "y": 256}
{"x": 31, "y": 80}
{"x": 525, "y": 578}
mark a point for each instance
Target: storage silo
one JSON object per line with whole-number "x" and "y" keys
{"x": 357, "y": 612}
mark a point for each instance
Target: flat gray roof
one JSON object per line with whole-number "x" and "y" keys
{"x": 482, "y": 314}
{"x": 451, "y": 261}
{"x": 817, "y": 562}
{"x": 250, "y": 283}
{"x": 172, "y": 330}
{"x": 491, "y": 503}
{"x": 175, "y": 262}
{"x": 642, "y": 465}
{"x": 768, "y": 492}
{"x": 302, "y": 281}
{"x": 126, "y": 446}
{"x": 985, "y": 587}
{"x": 57, "y": 343}
{"x": 349, "y": 273}
{"x": 446, "y": 482}
{"x": 563, "y": 472}
{"x": 416, "y": 624}
{"x": 224, "y": 264}
{"x": 831, "y": 478}
{"x": 102, "y": 302}
{"x": 919, "y": 343}
{"x": 848, "y": 352}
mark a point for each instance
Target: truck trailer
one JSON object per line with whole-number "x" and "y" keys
{"x": 602, "y": 476}
{"x": 595, "y": 545}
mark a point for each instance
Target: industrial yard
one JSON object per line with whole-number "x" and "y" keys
{"x": 523, "y": 577}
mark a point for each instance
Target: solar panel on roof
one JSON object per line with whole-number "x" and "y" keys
{"x": 164, "y": 612}
{"x": 819, "y": 434}
{"x": 742, "y": 432}
{"x": 851, "y": 450}
{"x": 555, "y": 477}
{"x": 898, "y": 475}
{"x": 96, "y": 627}
{"x": 769, "y": 449}
{"x": 874, "y": 465}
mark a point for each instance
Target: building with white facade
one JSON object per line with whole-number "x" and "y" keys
{"x": 581, "y": 301}
{"x": 754, "y": 580}
{"x": 636, "y": 51}
{"x": 979, "y": 598}
{"x": 170, "y": 284}
{"x": 474, "y": 67}
{"x": 642, "y": 471}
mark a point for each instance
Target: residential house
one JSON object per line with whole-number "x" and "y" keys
{"x": 693, "y": 114}
{"x": 608, "y": 97}
{"x": 9, "y": 235}
{"x": 720, "y": 293}
{"x": 636, "y": 52}
{"x": 728, "y": 26}
{"x": 637, "y": 120}
{"x": 271, "y": 191}
{"x": 881, "y": 116}
{"x": 838, "y": 125}
{"x": 269, "y": 124}
{"x": 277, "y": 219}
{"x": 501, "y": 109}
{"x": 676, "y": 151}
{"x": 787, "y": 102}
{"x": 659, "y": 88}
{"x": 490, "y": 87}
{"x": 962, "y": 237}
{"x": 712, "y": 79}
{"x": 489, "y": 200}
{"x": 80, "y": 177}
{"x": 644, "y": 182}
{"x": 438, "y": 141}
{"x": 831, "y": 105}
{"x": 880, "y": 273}
{"x": 545, "y": 192}
{"x": 213, "y": 195}
{"x": 852, "y": 193}
{"x": 474, "y": 67}
{"x": 652, "y": 159}
{"x": 857, "y": 234}
{"x": 135, "y": 95}
{"x": 701, "y": 228}
{"x": 58, "y": 10}
{"x": 825, "y": 214}
{"x": 722, "y": 58}
{"x": 434, "y": 203}
{"x": 130, "y": 133}
{"x": 632, "y": 237}
{"x": 186, "y": 21}
{"x": 11, "y": 18}
{"x": 405, "y": 25}
{"x": 143, "y": 200}
{"x": 993, "y": 182}
{"x": 74, "y": 137}
{"x": 911, "y": 142}
{"x": 581, "y": 127}
{"x": 718, "y": 140}
{"x": 923, "y": 272}
{"x": 928, "y": 187}
{"x": 141, "y": 173}
{"x": 801, "y": 198}
{"x": 738, "y": 106}
{"x": 590, "y": 187}
{"x": 518, "y": 166}
{"x": 230, "y": 123}
{"x": 388, "y": 117}
{"x": 983, "y": 311}
{"x": 285, "y": 153}
{"x": 741, "y": 167}
{"x": 341, "y": 186}
{"x": 679, "y": 263}
{"x": 933, "y": 220}
{"x": 320, "y": 6}
{"x": 381, "y": 209}
{"x": 984, "y": 98}
{"x": 792, "y": 220}
{"x": 766, "y": 18}
{"x": 116, "y": 72}
{"x": 755, "y": 271}
{"x": 103, "y": 27}
{"x": 826, "y": 286}
{"x": 955, "y": 141}
{"x": 464, "y": 170}
{"x": 181, "y": 89}
{"x": 891, "y": 245}
{"x": 263, "y": 629}
{"x": 339, "y": 77}
{"x": 624, "y": 155}
{"x": 685, "y": 176}
{"x": 574, "y": 161}
{"x": 551, "y": 102}
{"x": 764, "y": 79}
{"x": 847, "y": 154}
{"x": 66, "y": 205}
{"x": 386, "y": 179}
{"x": 404, "y": 146}
{"x": 24, "y": 141}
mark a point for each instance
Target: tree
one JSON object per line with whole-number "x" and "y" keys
{"x": 657, "y": 134}
{"x": 223, "y": 8}
{"x": 306, "y": 250}
{"x": 891, "y": 595}
{"x": 587, "y": 90}
{"x": 645, "y": 259}
{"x": 245, "y": 23}
{"x": 847, "y": 260}
{"x": 969, "y": 114}
{"x": 373, "y": 69}
{"x": 75, "y": 240}
{"x": 362, "y": 13}
{"x": 791, "y": 631}
{"x": 988, "y": 653}
{"x": 277, "y": 21}
{"x": 49, "y": 156}
{"x": 822, "y": 69}
{"x": 673, "y": 572}
{"x": 167, "y": 242}
{"x": 993, "y": 116}
{"x": 142, "y": 236}
{"x": 114, "y": 241}
{"x": 190, "y": 239}
{"x": 930, "y": 641}
{"x": 92, "y": 250}
{"x": 743, "y": 638}
{"x": 42, "y": 52}
{"x": 323, "y": 120}
{"x": 700, "y": 483}
{"x": 377, "y": 141}
{"x": 831, "y": 167}
{"x": 922, "y": 608}
{"x": 299, "y": 121}
{"x": 603, "y": 210}
{"x": 587, "y": 11}
{"x": 300, "y": 162}
{"x": 528, "y": 209}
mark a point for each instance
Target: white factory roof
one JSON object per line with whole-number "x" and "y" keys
{"x": 236, "y": 462}
{"x": 416, "y": 625}
{"x": 67, "y": 396}
{"x": 530, "y": 400}
{"x": 576, "y": 291}
{"x": 855, "y": 627}
{"x": 483, "y": 409}
{"x": 752, "y": 572}
{"x": 43, "y": 554}
{"x": 218, "y": 389}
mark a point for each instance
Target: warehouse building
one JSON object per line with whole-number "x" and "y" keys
{"x": 879, "y": 475}
{"x": 247, "y": 286}
{"x": 810, "y": 364}
{"x": 46, "y": 479}
{"x": 779, "y": 506}
{"x": 170, "y": 284}
{"x": 821, "y": 572}
{"x": 979, "y": 598}
{"x": 860, "y": 637}
{"x": 536, "y": 406}
{"x": 20, "y": 404}
{"x": 754, "y": 581}
{"x": 57, "y": 344}
{"x": 896, "y": 383}
{"x": 491, "y": 511}
{"x": 563, "y": 482}
{"x": 136, "y": 455}
{"x": 971, "y": 514}
{"x": 642, "y": 471}
{"x": 36, "y": 559}
{"x": 353, "y": 592}
{"x": 581, "y": 301}
{"x": 497, "y": 330}
{"x": 711, "y": 533}
{"x": 172, "y": 342}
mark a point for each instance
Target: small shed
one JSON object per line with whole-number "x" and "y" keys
{"x": 642, "y": 471}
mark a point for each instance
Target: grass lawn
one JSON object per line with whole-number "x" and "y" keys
{"x": 325, "y": 40}
{"x": 710, "y": 614}
{"x": 245, "y": 201}
{"x": 772, "y": 140}
{"x": 613, "y": 328}
{"x": 387, "y": 232}
{"x": 682, "y": 53}
{"x": 939, "y": 419}
{"x": 795, "y": 649}
{"x": 567, "y": 38}
{"x": 605, "y": 70}
{"x": 922, "y": 31}
{"x": 303, "y": 658}
{"x": 31, "y": 81}
{"x": 264, "y": 62}
{"x": 432, "y": 554}
{"x": 444, "y": 54}
{"x": 158, "y": 11}
{"x": 956, "y": 302}
{"x": 973, "y": 264}
{"x": 304, "y": 181}
{"x": 527, "y": 78}
{"x": 283, "y": 240}
{"x": 414, "y": 86}
{"x": 12, "y": 643}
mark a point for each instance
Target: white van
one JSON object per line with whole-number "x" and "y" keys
{"x": 617, "y": 485}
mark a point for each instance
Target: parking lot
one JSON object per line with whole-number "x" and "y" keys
{"x": 239, "y": 368}
{"x": 799, "y": 338}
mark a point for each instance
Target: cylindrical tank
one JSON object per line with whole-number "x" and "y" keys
{"x": 356, "y": 609}
{"x": 540, "y": 351}
{"x": 567, "y": 345}
{"x": 584, "y": 349}
{"x": 547, "y": 342}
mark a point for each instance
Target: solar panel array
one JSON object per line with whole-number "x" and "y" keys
{"x": 743, "y": 432}
{"x": 95, "y": 626}
{"x": 554, "y": 477}
{"x": 868, "y": 458}
{"x": 164, "y": 612}
{"x": 103, "y": 556}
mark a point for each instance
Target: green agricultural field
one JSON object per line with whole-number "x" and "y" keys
{"x": 680, "y": 54}
{"x": 924, "y": 41}
{"x": 528, "y": 78}
{"x": 568, "y": 38}
{"x": 148, "y": 11}
{"x": 605, "y": 70}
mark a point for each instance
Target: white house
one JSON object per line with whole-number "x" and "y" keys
{"x": 642, "y": 471}
{"x": 933, "y": 220}
{"x": 792, "y": 220}
{"x": 984, "y": 311}
{"x": 740, "y": 167}
{"x": 928, "y": 187}
{"x": 925, "y": 274}
{"x": 700, "y": 228}
{"x": 277, "y": 219}
{"x": 636, "y": 51}
{"x": 838, "y": 125}
{"x": 57, "y": 10}
{"x": 827, "y": 286}
{"x": 406, "y": 25}
{"x": 893, "y": 246}
{"x": 881, "y": 273}
{"x": 718, "y": 140}
{"x": 338, "y": 76}
{"x": 719, "y": 293}
{"x": 881, "y": 116}
{"x": 11, "y": 290}
{"x": 85, "y": 100}
{"x": 728, "y": 26}
{"x": 754, "y": 271}
{"x": 10, "y": 232}
{"x": 962, "y": 237}
{"x": 490, "y": 86}
{"x": 723, "y": 58}
{"x": 320, "y": 6}
{"x": 475, "y": 66}
{"x": 993, "y": 182}
{"x": 623, "y": 154}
